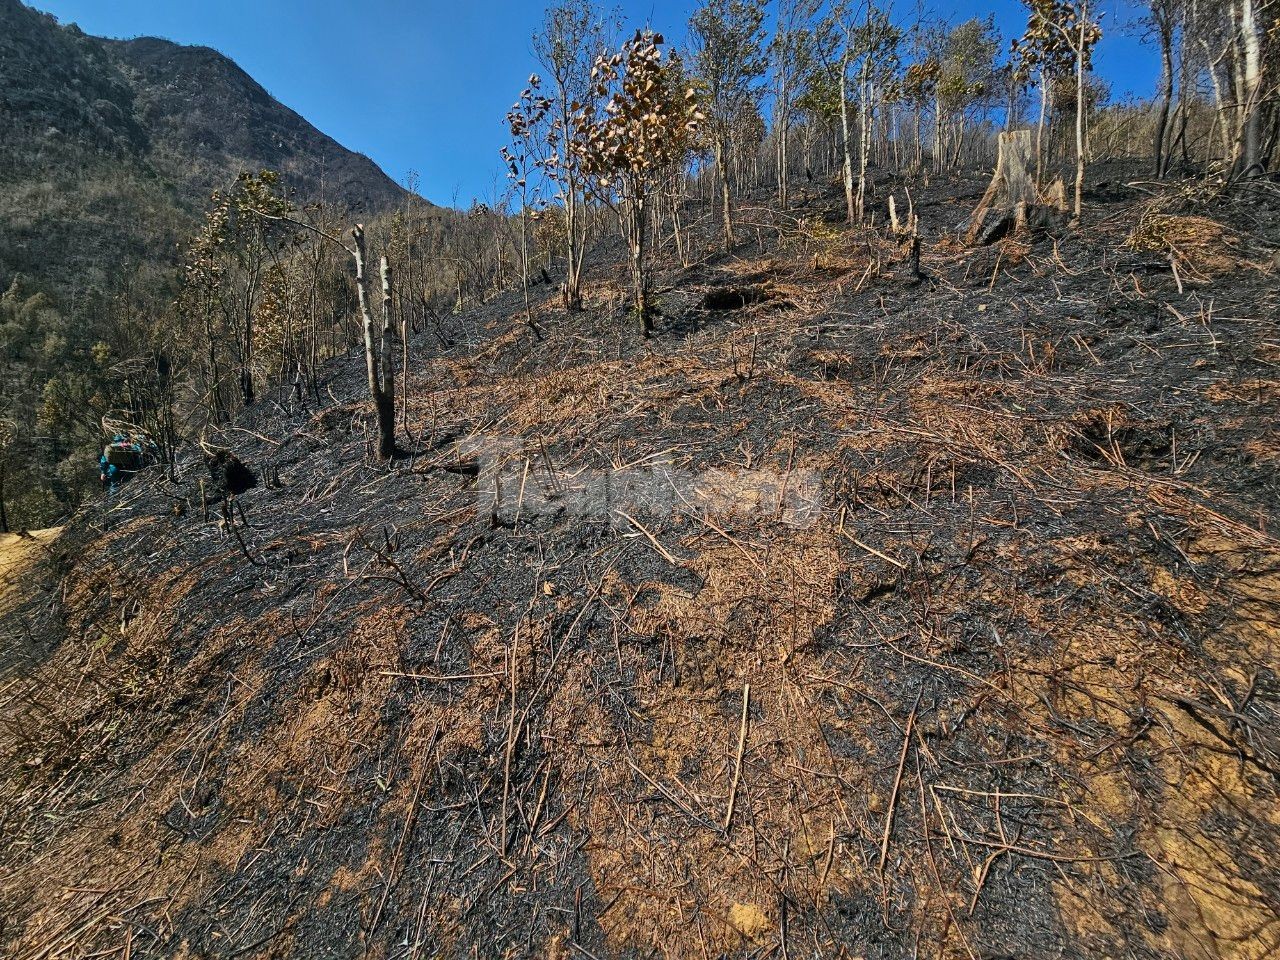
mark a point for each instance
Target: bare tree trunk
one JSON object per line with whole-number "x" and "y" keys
{"x": 864, "y": 142}
{"x": 1044, "y": 108}
{"x": 388, "y": 332}
{"x": 783, "y": 163}
{"x": 366, "y": 315}
{"x": 677, "y": 201}
{"x": 1159, "y": 151}
{"x": 958, "y": 153}
{"x": 1079, "y": 204}
{"x": 1185, "y": 98}
{"x": 4, "y": 517}
{"x": 722, "y": 170}
{"x": 1251, "y": 71}
{"x": 574, "y": 244}
{"x": 849, "y": 199}
{"x": 1220, "y": 104}
{"x": 783, "y": 123}
{"x": 637, "y": 230}
{"x": 404, "y": 376}
{"x": 937, "y": 131}
{"x": 381, "y": 383}
{"x": 385, "y": 401}
{"x": 576, "y": 250}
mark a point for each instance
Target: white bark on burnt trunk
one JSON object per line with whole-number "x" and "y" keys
{"x": 844, "y": 129}
{"x": 1250, "y": 162}
{"x": 380, "y": 373}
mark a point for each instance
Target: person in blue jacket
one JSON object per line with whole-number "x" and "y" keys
{"x": 108, "y": 473}
{"x": 143, "y": 450}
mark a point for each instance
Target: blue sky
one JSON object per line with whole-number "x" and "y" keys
{"x": 424, "y": 85}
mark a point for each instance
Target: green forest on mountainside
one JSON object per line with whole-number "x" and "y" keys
{"x": 109, "y": 154}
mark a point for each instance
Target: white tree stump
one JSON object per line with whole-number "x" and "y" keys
{"x": 1011, "y": 185}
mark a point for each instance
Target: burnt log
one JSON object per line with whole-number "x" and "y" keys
{"x": 229, "y": 475}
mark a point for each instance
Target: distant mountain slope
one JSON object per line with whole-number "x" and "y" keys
{"x": 110, "y": 148}
{"x": 196, "y": 104}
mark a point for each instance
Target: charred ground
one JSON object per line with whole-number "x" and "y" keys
{"x": 1010, "y": 693}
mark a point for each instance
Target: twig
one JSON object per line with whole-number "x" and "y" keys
{"x": 897, "y": 782}
{"x": 666, "y": 555}
{"x": 742, "y": 744}
{"x": 872, "y": 550}
{"x": 397, "y": 858}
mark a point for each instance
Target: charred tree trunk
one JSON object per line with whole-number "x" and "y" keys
{"x": 388, "y": 332}
{"x": 366, "y": 314}
{"x": 1160, "y": 152}
{"x": 381, "y": 381}
{"x": 1011, "y": 188}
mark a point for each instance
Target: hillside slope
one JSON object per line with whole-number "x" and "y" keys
{"x": 870, "y": 618}
{"x": 110, "y": 148}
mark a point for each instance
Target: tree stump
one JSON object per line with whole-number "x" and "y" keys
{"x": 1011, "y": 190}
{"x": 1055, "y": 195}
{"x": 229, "y": 475}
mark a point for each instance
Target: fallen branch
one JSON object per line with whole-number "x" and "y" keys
{"x": 897, "y": 783}
{"x": 742, "y": 744}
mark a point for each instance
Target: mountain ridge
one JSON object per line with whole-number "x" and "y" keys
{"x": 114, "y": 146}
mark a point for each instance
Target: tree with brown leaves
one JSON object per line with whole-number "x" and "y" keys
{"x": 626, "y": 148}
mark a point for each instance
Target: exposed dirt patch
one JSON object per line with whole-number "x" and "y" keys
{"x": 20, "y": 553}
{"x": 26, "y": 572}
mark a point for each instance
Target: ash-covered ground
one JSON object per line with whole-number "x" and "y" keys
{"x": 854, "y": 614}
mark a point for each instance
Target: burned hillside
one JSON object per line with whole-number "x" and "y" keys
{"x": 858, "y": 612}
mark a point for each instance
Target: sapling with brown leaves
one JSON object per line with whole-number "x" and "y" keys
{"x": 573, "y": 33}
{"x": 523, "y": 120}
{"x": 626, "y": 148}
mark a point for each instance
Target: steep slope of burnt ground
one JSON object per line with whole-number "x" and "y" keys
{"x": 954, "y": 636}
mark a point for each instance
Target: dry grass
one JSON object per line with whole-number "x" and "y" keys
{"x": 20, "y": 555}
{"x": 1007, "y": 694}
{"x": 1201, "y": 247}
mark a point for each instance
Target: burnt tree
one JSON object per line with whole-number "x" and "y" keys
{"x": 377, "y": 356}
